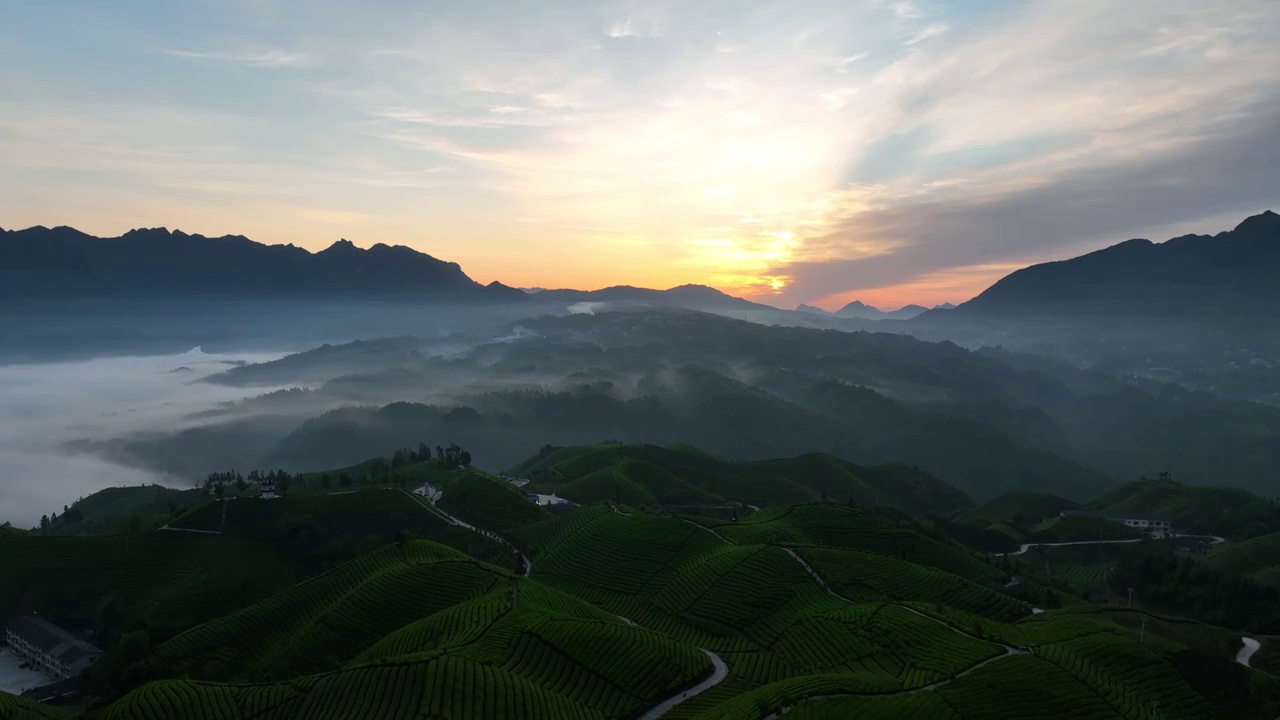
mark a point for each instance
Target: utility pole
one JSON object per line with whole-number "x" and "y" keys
{"x": 1142, "y": 636}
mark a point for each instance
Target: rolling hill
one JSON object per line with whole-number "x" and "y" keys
{"x": 653, "y": 475}
{"x": 817, "y": 609}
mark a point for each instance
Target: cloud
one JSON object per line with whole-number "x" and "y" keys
{"x": 46, "y": 406}
{"x": 600, "y": 151}
{"x": 1061, "y": 217}
{"x": 931, "y": 30}
{"x": 271, "y": 58}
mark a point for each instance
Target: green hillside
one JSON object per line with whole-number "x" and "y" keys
{"x": 13, "y": 707}
{"x": 1213, "y": 510}
{"x": 120, "y": 509}
{"x": 648, "y": 475}
{"x": 372, "y": 603}
{"x": 447, "y": 636}
{"x": 488, "y": 502}
{"x": 878, "y": 530}
{"x": 327, "y": 529}
{"x": 1257, "y": 558}
{"x": 1077, "y": 528}
{"x": 1019, "y": 508}
{"x": 167, "y": 581}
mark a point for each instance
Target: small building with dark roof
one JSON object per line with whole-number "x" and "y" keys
{"x": 50, "y": 649}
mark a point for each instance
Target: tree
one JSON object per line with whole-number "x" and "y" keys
{"x": 220, "y": 490}
{"x": 44, "y": 521}
{"x": 344, "y": 480}
{"x": 282, "y": 482}
{"x": 465, "y": 459}
{"x": 241, "y": 485}
{"x": 325, "y": 481}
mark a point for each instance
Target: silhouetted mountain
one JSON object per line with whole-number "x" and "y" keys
{"x": 1231, "y": 273}
{"x": 944, "y": 306}
{"x": 693, "y": 297}
{"x": 63, "y": 262}
{"x": 858, "y": 309}
{"x": 811, "y": 309}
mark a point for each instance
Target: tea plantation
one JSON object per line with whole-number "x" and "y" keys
{"x": 674, "y": 591}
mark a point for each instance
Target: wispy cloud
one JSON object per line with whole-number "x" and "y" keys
{"x": 840, "y": 147}
{"x": 928, "y": 31}
{"x": 270, "y": 58}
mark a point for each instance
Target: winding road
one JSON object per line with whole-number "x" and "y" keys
{"x": 1214, "y": 540}
{"x": 720, "y": 672}
{"x": 433, "y": 496}
{"x": 1247, "y": 649}
{"x": 1009, "y": 650}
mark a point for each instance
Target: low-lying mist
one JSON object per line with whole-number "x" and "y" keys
{"x": 44, "y": 407}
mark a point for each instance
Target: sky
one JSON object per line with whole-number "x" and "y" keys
{"x": 803, "y": 151}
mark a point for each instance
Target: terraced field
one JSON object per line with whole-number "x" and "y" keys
{"x": 445, "y": 636}
{"x": 878, "y": 530}
{"x": 13, "y": 707}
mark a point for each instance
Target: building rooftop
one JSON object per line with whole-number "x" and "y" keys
{"x": 52, "y": 639}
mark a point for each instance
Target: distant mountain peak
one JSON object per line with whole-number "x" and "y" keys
{"x": 1264, "y": 221}
{"x": 342, "y": 245}
{"x": 805, "y": 308}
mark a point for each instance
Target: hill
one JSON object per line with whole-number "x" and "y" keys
{"x": 65, "y": 263}
{"x": 440, "y": 634}
{"x": 1195, "y": 509}
{"x": 986, "y": 422}
{"x": 653, "y": 475}
{"x": 814, "y": 609}
{"x": 1231, "y": 273}
{"x": 119, "y": 509}
{"x": 321, "y": 530}
{"x": 1257, "y": 558}
{"x": 691, "y": 297}
{"x": 1020, "y": 508}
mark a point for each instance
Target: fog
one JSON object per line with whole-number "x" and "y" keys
{"x": 45, "y": 406}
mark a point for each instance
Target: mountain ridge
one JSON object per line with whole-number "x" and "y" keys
{"x": 1232, "y": 272}
{"x": 41, "y": 262}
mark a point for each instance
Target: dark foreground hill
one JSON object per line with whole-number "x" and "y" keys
{"x": 63, "y": 263}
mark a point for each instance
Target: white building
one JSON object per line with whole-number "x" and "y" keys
{"x": 50, "y": 649}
